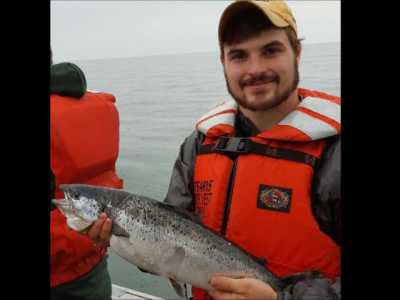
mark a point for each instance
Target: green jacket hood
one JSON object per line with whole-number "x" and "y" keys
{"x": 67, "y": 79}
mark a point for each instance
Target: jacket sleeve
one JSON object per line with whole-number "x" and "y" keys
{"x": 180, "y": 191}
{"x": 326, "y": 198}
{"x": 312, "y": 289}
{"x": 326, "y": 191}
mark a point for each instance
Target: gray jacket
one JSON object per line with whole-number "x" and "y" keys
{"x": 326, "y": 198}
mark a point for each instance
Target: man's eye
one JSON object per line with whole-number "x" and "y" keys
{"x": 271, "y": 51}
{"x": 237, "y": 56}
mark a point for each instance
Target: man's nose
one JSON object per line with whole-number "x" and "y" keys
{"x": 255, "y": 66}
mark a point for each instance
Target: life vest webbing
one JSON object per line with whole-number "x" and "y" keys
{"x": 237, "y": 145}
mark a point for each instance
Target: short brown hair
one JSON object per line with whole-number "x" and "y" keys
{"x": 249, "y": 23}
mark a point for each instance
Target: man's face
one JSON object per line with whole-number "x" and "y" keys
{"x": 261, "y": 72}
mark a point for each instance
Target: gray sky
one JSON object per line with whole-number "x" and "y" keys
{"x": 106, "y": 29}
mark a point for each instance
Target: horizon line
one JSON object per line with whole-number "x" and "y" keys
{"x": 170, "y": 54}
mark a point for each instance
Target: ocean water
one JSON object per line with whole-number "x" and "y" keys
{"x": 159, "y": 99}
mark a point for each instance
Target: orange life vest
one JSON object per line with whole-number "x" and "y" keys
{"x": 84, "y": 149}
{"x": 262, "y": 199}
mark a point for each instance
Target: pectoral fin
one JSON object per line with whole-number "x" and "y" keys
{"x": 180, "y": 288}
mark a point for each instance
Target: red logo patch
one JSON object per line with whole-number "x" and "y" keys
{"x": 274, "y": 198}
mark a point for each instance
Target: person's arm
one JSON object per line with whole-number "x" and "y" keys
{"x": 180, "y": 190}
{"x": 250, "y": 288}
{"x": 326, "y": 191}
{"x": 326, "y": 198}
{"x": 312, "y": 289}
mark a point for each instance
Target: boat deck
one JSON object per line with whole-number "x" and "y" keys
{"x": 120, "y": 292}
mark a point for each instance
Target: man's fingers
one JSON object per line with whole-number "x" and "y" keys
{"x": 225, "y": 284}
{"x": 105, "y": 232}
{"x": 95, "y": 229}
{"x": 218, "y": 295}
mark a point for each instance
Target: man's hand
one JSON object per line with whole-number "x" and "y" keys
{"x": 225, "y": 288}
{"x": 100, "y": 231}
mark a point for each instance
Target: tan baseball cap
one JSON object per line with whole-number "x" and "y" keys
{"x": 276, "y": 11}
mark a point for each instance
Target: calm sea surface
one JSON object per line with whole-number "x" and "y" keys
{"x": 159, "y": 98}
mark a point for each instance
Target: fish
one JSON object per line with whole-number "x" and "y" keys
{"x": 160, "y": 238}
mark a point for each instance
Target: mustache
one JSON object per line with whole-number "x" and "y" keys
{"x": 258, "y": 79}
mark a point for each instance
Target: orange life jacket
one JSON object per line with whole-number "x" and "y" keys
{"x": 262, "y": 199}
{"x": 84, "y": 149}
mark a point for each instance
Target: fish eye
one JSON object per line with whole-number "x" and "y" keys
{"x": 74, "y": 195}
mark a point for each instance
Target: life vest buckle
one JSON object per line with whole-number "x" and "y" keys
{"x": 310, "y": 160}
{"x": 271, "y": 151}
{"x": 222, "y": 143}
{"x": 242, "y": 145}
{"x": 232, "y": 144}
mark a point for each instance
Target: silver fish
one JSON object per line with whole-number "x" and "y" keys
{"x": 160, "y": 238}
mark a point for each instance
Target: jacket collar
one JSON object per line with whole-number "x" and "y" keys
{"x": 317, "y": 117}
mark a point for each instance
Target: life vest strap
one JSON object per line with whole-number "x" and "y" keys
{"x": 237, "y": 145}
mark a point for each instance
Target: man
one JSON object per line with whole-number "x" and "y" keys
{"x": 84, "y": 149}
{"x": 264, "y": 169}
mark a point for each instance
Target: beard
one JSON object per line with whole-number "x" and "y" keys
{"x": 279, "y": 98}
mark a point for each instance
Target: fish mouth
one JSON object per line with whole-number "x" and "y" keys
{"x": 74, "y": 220}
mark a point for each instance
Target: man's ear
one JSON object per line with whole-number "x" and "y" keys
{"x": 221, "y": 57}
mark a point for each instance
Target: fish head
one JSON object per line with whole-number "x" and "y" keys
{"x": 82, "y": 205}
